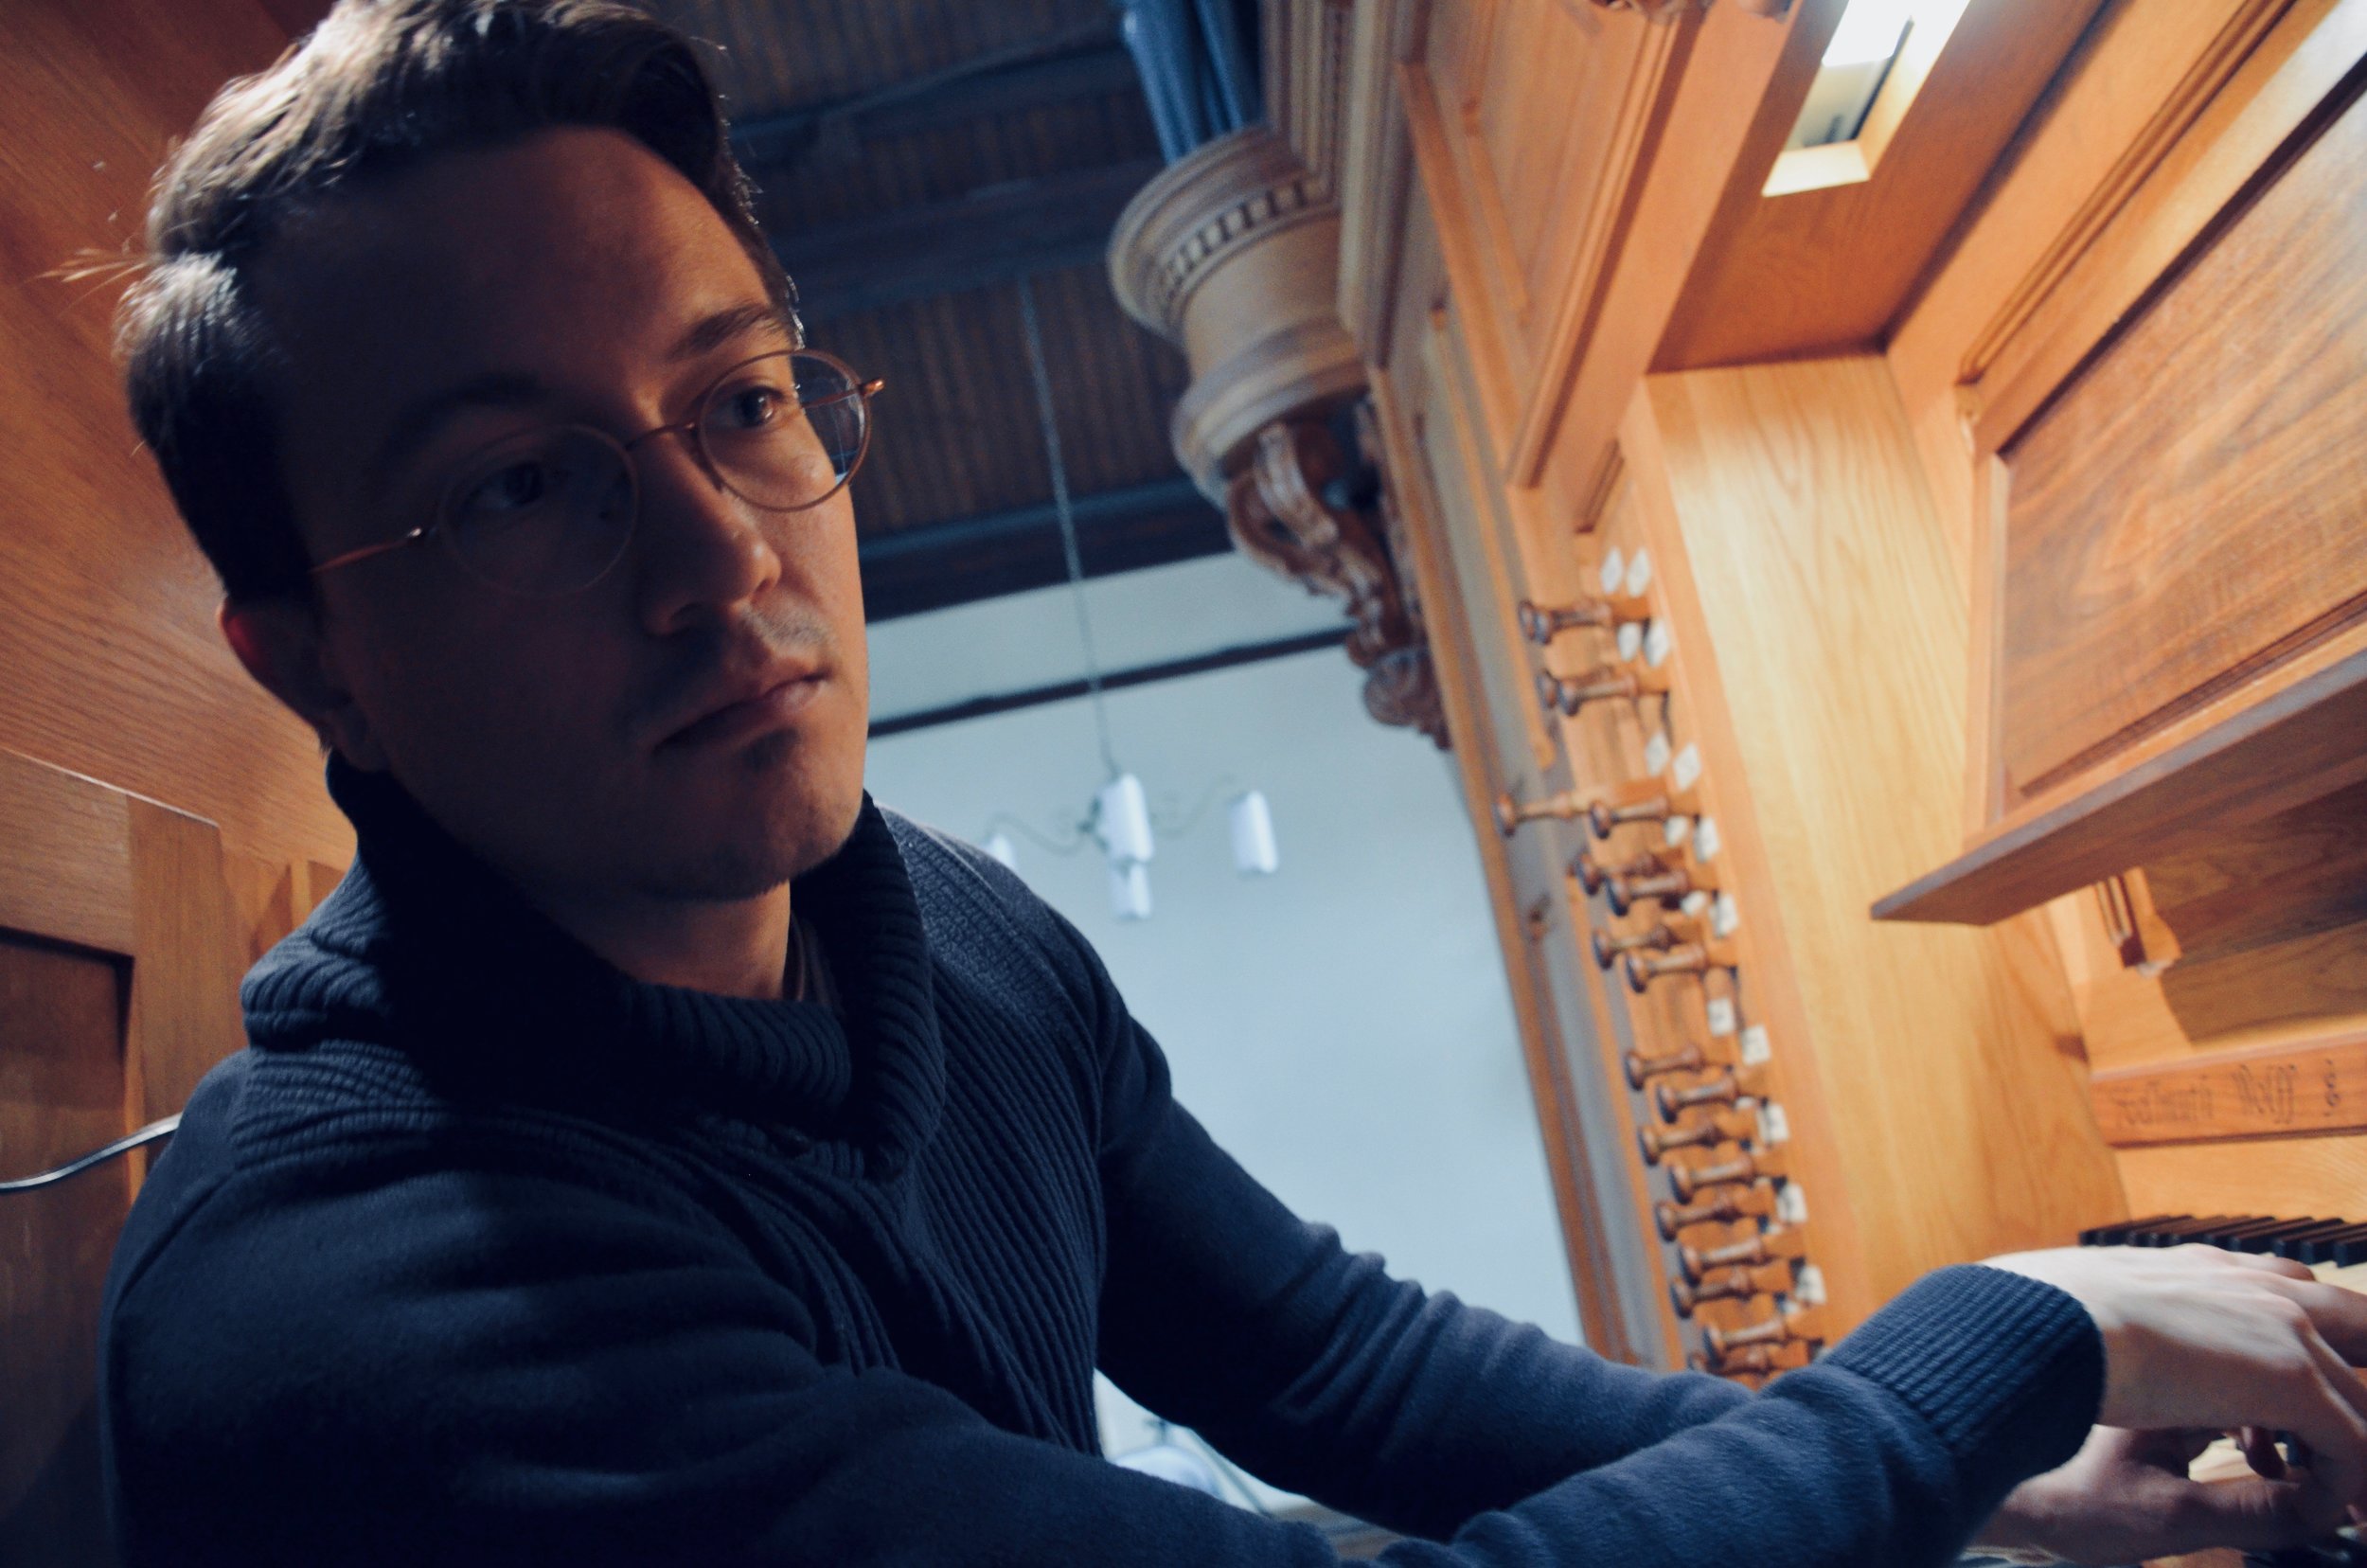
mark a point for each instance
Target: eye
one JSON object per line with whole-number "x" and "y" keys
{"x": 511, "y": 488}
{"x": 750, "y": 407}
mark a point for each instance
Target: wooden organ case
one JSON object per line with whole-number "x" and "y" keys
{"x": 1899, "y": 608}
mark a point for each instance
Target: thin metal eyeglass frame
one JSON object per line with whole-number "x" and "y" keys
{"x": 860, "y": 388}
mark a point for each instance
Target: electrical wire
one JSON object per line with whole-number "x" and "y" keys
{"x": 1068, "y": 522}
{"x": 147, "y": 1134}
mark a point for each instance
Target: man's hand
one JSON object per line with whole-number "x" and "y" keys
{"x": 2201, "y": 1340}
{"x": 2126, "y": 1498}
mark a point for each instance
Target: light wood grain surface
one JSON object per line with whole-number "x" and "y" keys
{"x": 2187, "y": 514}
{"x": 1948, "y": 1062}
{"x": 114, "y": 669}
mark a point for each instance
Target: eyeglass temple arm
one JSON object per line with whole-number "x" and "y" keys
{"x": 368, "y": 550}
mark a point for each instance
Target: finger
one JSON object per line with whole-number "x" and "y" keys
{"x": 2320, "y": 1416}
{"x": 2338, "y": 1316}
{"x": 2250, "y": 1515}
{"x": 2344, "y": 1383}
{"x": 2260, "y": 1451}
{"x": 2263, "y": 1262}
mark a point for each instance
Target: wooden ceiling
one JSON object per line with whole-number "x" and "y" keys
{"x": 914, "y": 160}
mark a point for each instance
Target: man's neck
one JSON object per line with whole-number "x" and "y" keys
{"x": 736, "y": 948}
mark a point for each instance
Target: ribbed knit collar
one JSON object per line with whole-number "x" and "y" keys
{"x": 426, "y": 947}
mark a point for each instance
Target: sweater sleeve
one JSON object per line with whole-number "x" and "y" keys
{"x": 1319, "y": 1372}
{"x": 423, "y": 1353}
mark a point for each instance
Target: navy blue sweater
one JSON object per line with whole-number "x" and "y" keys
{"x": 484, "y": 1252}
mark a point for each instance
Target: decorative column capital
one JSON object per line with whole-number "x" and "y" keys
{"x": 1232, "y": 253}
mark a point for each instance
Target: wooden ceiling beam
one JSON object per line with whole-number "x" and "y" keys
{"x": 933, "y": 565}
{"x": 990, "y": 236}
{"x": 1091, "y": 69}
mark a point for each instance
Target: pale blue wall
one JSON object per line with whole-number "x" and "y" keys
{"x": 1343, "y": 1027}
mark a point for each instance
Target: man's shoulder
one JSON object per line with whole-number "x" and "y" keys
{"x": 982, "y": 917}
{"x": 952, "y": 877}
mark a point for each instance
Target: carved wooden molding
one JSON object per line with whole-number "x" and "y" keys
{"x": 1281, "y": 518}
{"x": 1307, "y": 43}
{"x": 1224, "y": 198}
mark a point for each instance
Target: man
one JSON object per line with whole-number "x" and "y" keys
{"x": 654, "y": 1152}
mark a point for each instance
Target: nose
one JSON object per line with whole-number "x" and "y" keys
{"x": 701, "y": 549}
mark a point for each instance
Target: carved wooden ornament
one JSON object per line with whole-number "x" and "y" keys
{"x": 1280, "y": 517}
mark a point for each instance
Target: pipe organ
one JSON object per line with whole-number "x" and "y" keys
{"x": 1896, "y": 594}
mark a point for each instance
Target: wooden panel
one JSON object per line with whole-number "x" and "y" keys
{"x": 65, "y": 856}
{"x": 1603, "y": 1210}
{"x": 2295, "y": 1176}
{"x": 1682, "y": 200}
{"x": 62, "y": 1094}
{"x": 114, "y": 669}
{"x": 2295, "y": 874}
{"x": 2188, "y": 514}
{"x": 2319, "y": 1088}
{"x": 2288, "y": 993}
{"x": 1948, "y": 1068}
{"x": 2149, "y": 69}
{"x": 2306, "y": 984}
{"x": 185, "y": 1009}
{"x": 2176, "y": 792}
{"x": 1823, "y": 270}
{"x": 1529, "y": 119}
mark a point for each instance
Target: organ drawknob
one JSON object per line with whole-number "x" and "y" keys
{"x": 1766, "y": 1247}
{"x": 1541, "y": 624}
{"x": 1755, "y": 1201}
{"x": 1764, "y": 1279}
{"x": 1748, "y": 1166}
{"x": 1721, "y": 1127}
{"x": 1725, "y": 1088}
{"x": 1511, "y": 813}
{"x": 1566, "y": 695}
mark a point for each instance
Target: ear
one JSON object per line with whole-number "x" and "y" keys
{"x": 280, "y": 643}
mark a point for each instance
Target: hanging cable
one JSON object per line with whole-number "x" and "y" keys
{"x": 1068, "y": 522}
{"x": 153, "y": 1130}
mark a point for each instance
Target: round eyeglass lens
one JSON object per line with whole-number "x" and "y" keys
{"x": 542, "y": 514}
{"x": 785, "y": 432}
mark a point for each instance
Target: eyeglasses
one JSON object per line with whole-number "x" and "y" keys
{"x": 549, "y": 512}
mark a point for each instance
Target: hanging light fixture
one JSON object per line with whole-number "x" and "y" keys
{"x": 1120, "y": 820}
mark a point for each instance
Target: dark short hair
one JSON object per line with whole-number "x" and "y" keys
{"x": 379, "y": 86}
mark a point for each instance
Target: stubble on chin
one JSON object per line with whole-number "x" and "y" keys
{"x": 799, "y": 823}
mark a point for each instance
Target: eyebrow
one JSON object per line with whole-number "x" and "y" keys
{"x": 710, "y": 332}
{"x": 421, "y": 419}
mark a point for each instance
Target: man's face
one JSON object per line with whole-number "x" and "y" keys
{"x": 570, "y": 278}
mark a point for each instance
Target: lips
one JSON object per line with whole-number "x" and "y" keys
{"x": 746, "y": 707}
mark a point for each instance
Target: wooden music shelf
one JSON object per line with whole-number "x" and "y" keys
{"x": 2295, "y": 745}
